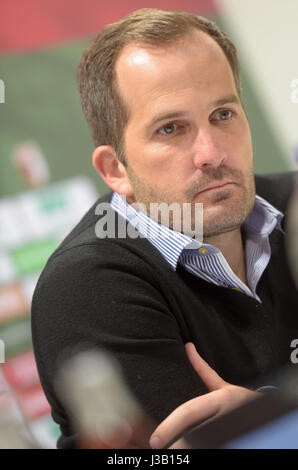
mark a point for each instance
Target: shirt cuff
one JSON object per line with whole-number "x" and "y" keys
{"x": 267, "y": 389}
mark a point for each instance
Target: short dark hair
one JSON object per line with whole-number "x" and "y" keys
{"x": 102, "y": 104}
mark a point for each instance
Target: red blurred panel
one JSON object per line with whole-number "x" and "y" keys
{"x": 12, "y": 302}
{"x": 33, "y": 402}
{"x": 32, "y": 24}
{"x": 21, "y": 371}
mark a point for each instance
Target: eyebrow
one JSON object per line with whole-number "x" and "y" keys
{"x": 165, "y": 116}
{"x": 227, "y": 99}
{"x": 176, "y": 114}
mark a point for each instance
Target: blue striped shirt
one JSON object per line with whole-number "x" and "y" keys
{"x": 204, "y": 260}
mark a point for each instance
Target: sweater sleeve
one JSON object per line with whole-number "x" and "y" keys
{"x": 88, "y": 296}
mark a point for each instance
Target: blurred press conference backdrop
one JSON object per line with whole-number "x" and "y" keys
{"x": 46, "y": 177}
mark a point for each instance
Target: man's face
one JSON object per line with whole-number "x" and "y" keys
{"x": 187, "y": 138}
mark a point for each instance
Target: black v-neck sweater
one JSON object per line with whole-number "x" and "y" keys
{"x": 121, "y": 294}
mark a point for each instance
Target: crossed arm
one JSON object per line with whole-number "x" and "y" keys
{"x": 76, "y": 302}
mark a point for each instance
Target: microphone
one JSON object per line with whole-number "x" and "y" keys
{"x": 103, "y": 409}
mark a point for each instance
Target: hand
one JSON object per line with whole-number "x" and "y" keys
{"x": 222, "y": 398}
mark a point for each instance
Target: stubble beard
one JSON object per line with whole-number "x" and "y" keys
{"x": 216, "y": 221}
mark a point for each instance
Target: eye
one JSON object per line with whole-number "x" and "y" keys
{"x": 168, "y": 129}
{"x": 223, "y": 115}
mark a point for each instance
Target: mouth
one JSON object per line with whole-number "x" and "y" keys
{"x": 216, "y": 186}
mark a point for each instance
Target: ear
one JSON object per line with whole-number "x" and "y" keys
{"x": 112, "y": 171}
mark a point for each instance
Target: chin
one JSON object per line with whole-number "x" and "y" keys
{"x": 220, "y": 220}
{"x": 215, "y": 231}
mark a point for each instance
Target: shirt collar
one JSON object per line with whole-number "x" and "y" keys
{"x": 261, "y": 222}
{"x": 264, "y": 218}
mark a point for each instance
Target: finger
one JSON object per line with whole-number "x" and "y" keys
{"x": 210, "y": 378}
{"x": 191, "y": 413}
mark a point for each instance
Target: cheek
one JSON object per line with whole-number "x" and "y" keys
{"x": 246, "y": 138}
{"x": 159, "y": 167}
{"x": 152, "y": 161}
{"x": 240, "y": 148}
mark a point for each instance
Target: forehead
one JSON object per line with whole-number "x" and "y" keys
{"x": 148, "y": 74}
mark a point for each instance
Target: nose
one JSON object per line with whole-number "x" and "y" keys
{"x": 207, "y": 150}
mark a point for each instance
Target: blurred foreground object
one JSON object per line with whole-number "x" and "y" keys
{"x": 292, "y": 229}
{"x": 31, "y": 164}
{"x": 103, "y": 410}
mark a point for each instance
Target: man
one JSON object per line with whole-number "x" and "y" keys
{"x": 161, "y": 93}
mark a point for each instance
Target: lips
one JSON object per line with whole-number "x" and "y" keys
{"x": 216, "y": 186}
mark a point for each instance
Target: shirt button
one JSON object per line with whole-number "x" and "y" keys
{"x": 203, "y": 251}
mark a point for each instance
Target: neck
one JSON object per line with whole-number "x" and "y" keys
{"x": 232, "y": 247}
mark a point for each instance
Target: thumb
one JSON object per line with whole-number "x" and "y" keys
{"x": 210, "y": 378}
